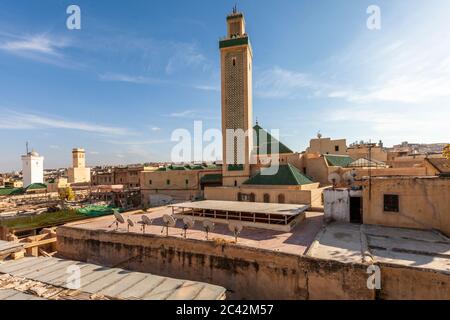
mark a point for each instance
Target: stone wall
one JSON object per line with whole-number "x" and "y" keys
{"x": 247, "y": 273}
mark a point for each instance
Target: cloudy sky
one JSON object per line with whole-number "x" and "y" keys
{"x": 137, "y": 70}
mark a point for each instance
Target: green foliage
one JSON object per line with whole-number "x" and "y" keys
{"x": 446, "y": 152}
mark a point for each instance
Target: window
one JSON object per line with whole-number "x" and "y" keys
{"x": 186, "y": 181}
{"x": 149, "y": 181}
{"x": 252, "y": 197}
{"x": 336, "y": 148}
{"x": 266, "y": 198}
{"x": 391, "y": 203}
{"x": 281, "y": 198}
{"x": 234, "y": 62}
{"x": 235, "y": 183}
{"x": 168, "y": 181}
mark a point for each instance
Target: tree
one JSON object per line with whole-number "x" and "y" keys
{"x": 446, "y": 151}
{"x": 67, "y": 194}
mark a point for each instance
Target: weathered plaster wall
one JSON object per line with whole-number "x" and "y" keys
{"x": 424, "y": 203}
{"x": 247, "y": 272}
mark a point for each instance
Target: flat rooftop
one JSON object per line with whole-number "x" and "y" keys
{"x": 352, "y": 243}
{"x": 295, "y": 241}
{"x": 242, "y": 206}
{"x": 51, "y": 276}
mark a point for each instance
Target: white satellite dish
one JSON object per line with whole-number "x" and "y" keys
{"x": 119, "y": 219}
{"x": 208, "y": 225}
{"x": 145, "y": 221}
{"x": 349, "y": 178}
{"x": 334, "y": 179}
{"x": 130, "y": 223}
{"x": 188, "y": 223}
{"x": 235, "y": 227}
{"x": 169, "y": 221}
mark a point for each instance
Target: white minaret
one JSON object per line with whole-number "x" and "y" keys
{"x": 32, "y": 168}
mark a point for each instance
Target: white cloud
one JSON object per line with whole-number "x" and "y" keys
{"x": 411, "y": 122}
{"x": 155, "y": 128}
{"x": 186, "y": 55}
{"x": 15, "y": 120}
{"x": 183, "y": 114}
{"x": 38, "y": 47}
{"x": 138, "y": 143}
{"x": 34, "y": 43}
{"x": 193, "y": 114}
{"x": 281, "y": 83}
{"x": 117, "y": 77}
{"x": 207, "y": 88}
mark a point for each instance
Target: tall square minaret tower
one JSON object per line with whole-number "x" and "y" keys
{"x": 79, "y": 173}
{"x": 32, "y": 168}
{"x": 236, "y": 77}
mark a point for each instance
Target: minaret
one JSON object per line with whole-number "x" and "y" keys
{"x": 236, "y": 76}
{"x": 78, "y": 158}
{"x": 79, "y": 173}
{"x": 32, "y": 168}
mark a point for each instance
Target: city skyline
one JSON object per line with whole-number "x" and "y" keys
{"x": 119, "y": 86}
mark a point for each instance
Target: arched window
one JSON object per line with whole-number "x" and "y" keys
{"x": 235, "y": 183}
{"x": 281, "y": 198}
{"x": 266, "y": 197}
{"x": 239, "y": 196}
{"x": 252, "y": 197}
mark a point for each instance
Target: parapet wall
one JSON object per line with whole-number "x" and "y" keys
{"x": 248, "y": 273}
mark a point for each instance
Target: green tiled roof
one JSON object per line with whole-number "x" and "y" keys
{"x": 36, "y": 186}
{"x": 233, "y": 42}
{"x": 287, "y": 175}
{"x": 338, "y": 161}
{"x": 10, "y": 191}
{"x": 235, "y": 167}
{"x": 211, "y": 178}
{"x": 260, "y": 132}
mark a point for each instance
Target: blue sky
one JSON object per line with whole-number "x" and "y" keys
{"x": 137, "y": 70}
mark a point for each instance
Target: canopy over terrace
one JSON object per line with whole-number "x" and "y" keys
{"x": 274, "y": 216}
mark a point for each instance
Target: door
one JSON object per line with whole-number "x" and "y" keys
{"x": 356, "y": 210}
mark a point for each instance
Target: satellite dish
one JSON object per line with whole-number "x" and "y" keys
{"x": 334, "y": 179}
{"x": 235, "y": 227}
{"x": 129, "y": 224}
{"x": 119, "y": 219}
{"x": 208, "y": 225}
{"x": 349, "y": 178}
{"x": 144, "y": 222}
{"x": 169, "y": 221}
{"x": 188, "y": 222}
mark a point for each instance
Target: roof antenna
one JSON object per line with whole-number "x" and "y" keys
{"x": 256, "y": 120}
{"x": 235, "y": 9}
{"x": 26, "y": 146}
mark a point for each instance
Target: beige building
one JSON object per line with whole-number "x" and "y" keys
{"x": 408, "y": 202}
{"x": 177, "y": 183}
{"x": 79, "y": 173}
{"x": 327, "y": 146}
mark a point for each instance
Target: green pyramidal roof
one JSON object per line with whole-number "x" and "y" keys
{"x": 259, "y": 143}
{"x": 287, "y": 175}
{"x": 338, "y": 161}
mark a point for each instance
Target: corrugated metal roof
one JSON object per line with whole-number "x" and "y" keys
{"x": 11, "y": 294}
{"x": 111, "y": 282}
